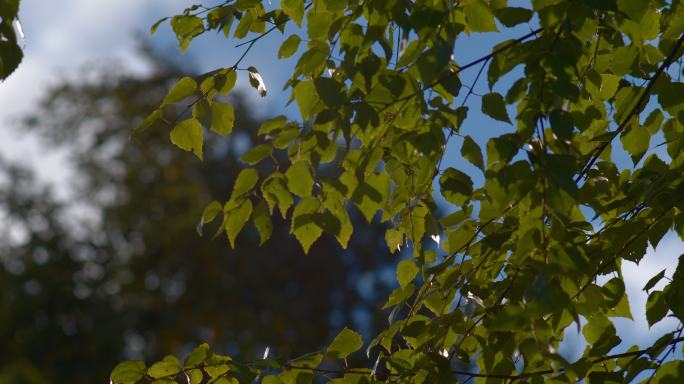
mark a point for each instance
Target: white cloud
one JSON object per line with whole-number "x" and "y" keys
{"x": 60, "y": 37}
{"x": 665, "y": 256}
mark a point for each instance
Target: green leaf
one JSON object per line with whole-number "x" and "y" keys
{"x": 369, "y": 193}
{"x": 272, "y": 379}
{"x": 635, "y": 140}
{"x": 597, "y": 327}
{"x": 456, "y": 186}
{"x": 154, "y": 27}
{"x": 186, "y": 28}
{"x": 289, "y": 47}
{"x": 623, "y": 59}
{"x": 411, "y": 52}
{"x": 493, "y": 105}
{"x": 676, "y": 24}
{"x": 312, "y": 61}
{"x": 634, "y": 9}
{"x": 609, "y": 85}
{"x": 10, "y": 53}
{"x": 275, "y": 192}
{"x": 512, "y": 16}
{"x": 654, "y": 280}
{"x": 184, "y": 88}
{"x": 271, "y": 125}
{"x": 222, "y": 118}
{"x": 299, "y": 178}
{"x": 433, "y": 62}
{"x": 244, "y": 183}
{"x": 257, "y": 154}
{"x": 616, "y": 299}
{"x": 675, "y": 291}
{"x": 317, "y": 24}
{"x": 671, "y": 98}
{"x": 187, "y": 135}
{"x": 217, "y": 371}
{"x": 305, "y": 94}
{"x": 399, "y": 296}
{"x": 472, "y": 152}
{"x": 479, "y": 17}
{"x": 656, "y": 307}
{"x": 194, "y": 376}
{"x": 224, "y": 83}
{"x": 670, "y": 373}
{"x": 406, "y": 271}
{"x": 209, "y": 214}
{"x": 243, "y": 27}
{"x": 151, "y": 119}
{"x": 345, "y": 343}
{"x": 330, "y": 91}
{"x": 128, "y": 372}
{"x": 304, "y": 225}
{"x": 294, "y": 9}
{"x": 9, "y": 9}
{"x": 168, "y": 367}
{"x": 262, "y": 221}
{"x": 236, "y": 220}
{"x": 198, "y": 355}
{"x": 511, "y": 317}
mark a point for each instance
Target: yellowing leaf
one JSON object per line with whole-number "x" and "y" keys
{"x": 256, "y": 81}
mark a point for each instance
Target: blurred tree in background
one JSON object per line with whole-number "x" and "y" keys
{"x": 119, "y": 272}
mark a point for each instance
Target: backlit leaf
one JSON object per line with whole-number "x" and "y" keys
{"x": 222, "y": 118}
{"x": 187, "y": 135}
{"x": 289, "y": 47}
{"x": 184, "y": 88}
{"x": 406, "y": 271}
{"x": 346, "y": 342}
{"x": 299, "y": 179}
{"x": 128, "y": 372}
{"x": 236, "y": 220}
{"x": 168, "y": 367}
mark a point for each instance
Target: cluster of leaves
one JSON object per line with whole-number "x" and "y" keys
{"x": 202, "y": 365}
{"x": 10, "y": 52}
{"x": 527, "y": 253}
{"x": 78, "y": 290}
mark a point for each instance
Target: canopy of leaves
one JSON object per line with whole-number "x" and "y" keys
{"x": 118, "y": 271}
{"x": 378, "y": 84}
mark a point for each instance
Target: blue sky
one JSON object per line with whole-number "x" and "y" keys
{"x": 62, "y": 36}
